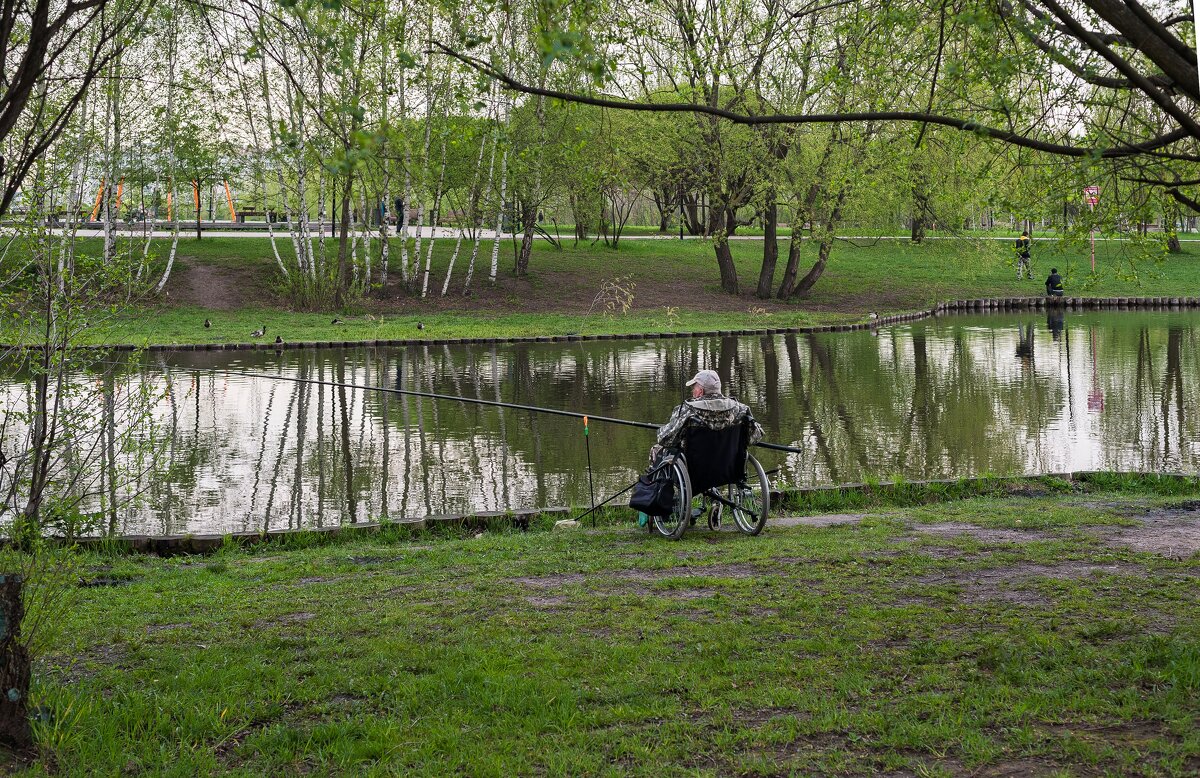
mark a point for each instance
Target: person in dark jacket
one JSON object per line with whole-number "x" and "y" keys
{"x": 1054, "y": 284}
{"x": 1023, "y": 265}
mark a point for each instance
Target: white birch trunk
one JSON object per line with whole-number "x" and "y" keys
{"x": 174, "y": 239}
{"x": 266, "y": 94}
{"x": 406, "y": 191}
{"x": 437, "y": 206}
{"x": 366, "y": 239}
{"x": 386, "y": 193}
{"x": 424, "y": 187}
{"x": 499, "y": 215}
{"x": 106, "y": 180}
{"x": 66, "y": 258}
{"x": 473, "y": 209}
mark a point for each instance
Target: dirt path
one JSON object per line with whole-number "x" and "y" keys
{"x": 210, "y": 286}
{"x": 1172, "y": 532}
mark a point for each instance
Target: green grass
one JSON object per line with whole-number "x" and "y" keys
{"x": 885, "y": 277}
{"x": 850, "y": 649}
{"x": 181, "y": 325}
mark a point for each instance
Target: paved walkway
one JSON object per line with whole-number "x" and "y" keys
{"x": 453, "y": 232}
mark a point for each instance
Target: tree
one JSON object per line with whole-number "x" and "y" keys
{"x": 1119, "y": 71}
{"x": 49, "y": 56}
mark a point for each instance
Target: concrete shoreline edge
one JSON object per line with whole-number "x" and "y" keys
{"x": 981, "y": 305}
{"x": 806, "y": 498}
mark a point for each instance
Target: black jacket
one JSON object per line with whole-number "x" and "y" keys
{"x": 1054, "y": 282}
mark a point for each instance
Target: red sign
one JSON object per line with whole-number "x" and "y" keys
{"x": 1091, "y": 194}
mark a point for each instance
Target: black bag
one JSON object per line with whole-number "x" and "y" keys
{"x": 654, "y": 494}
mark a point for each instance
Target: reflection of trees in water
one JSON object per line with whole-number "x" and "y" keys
{"x": 1148, "y": 376}
{"x": 943, "y": 398}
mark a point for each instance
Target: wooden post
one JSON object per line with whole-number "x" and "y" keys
{"x": 15, "y": 731}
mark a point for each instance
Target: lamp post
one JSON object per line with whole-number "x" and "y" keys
{"x": 681, "y": 210}
{"x": 1092, "y": 195}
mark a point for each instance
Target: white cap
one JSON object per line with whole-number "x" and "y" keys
{"x": 708, "y": 380}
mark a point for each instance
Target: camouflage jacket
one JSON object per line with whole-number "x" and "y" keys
{"x": 714, "y": 411}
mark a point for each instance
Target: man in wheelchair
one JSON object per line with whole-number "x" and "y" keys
{"x": 707, "y": 408}
{"x": 701, "y": 451}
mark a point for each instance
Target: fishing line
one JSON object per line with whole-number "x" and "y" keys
{"x": 493, "y": 403}
{"x": 451, "y": 397}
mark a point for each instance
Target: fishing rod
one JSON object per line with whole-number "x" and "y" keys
{"x": 493, "y": 403}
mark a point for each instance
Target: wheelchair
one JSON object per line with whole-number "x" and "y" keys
{"x": 713, "y": 469}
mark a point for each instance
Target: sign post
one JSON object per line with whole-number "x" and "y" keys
{"x": 1092, "y": 195}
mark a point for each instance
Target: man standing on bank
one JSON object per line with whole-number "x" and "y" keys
{"x": 1024, "y": 267}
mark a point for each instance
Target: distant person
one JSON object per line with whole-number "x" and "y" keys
{"x": 707, "y": 407}
{"x": 1054, "y": 285}
{"x": 1024, "y": 267}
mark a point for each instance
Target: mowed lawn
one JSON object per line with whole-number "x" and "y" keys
{"x": 673, "y": 286}
{"x": 1030, "y": 635}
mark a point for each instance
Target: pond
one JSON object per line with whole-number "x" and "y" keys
{"x": 1001, "y": 394}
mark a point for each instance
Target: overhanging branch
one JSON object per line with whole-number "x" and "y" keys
{"x": 966, "y": 125}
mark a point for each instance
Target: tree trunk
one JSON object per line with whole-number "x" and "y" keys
{"x": 343, "y": 266}
{"x": 162, "y": 283}
{"x": 473, "y": 210}
{"x": 788, "y": 284}
{"x": 529, "y": 215}
{"x": 766, "y": 276}
{"x": 434, "y": 215}
{"x": 814, "y": 274}
{"x": 15, "y": 731}
{"x": 918, "y": 226}
{"x": 499, "y": 216}
{"x": 920, "y": 204}
{"x": 528, "y": 221}
{"x": 1171, "y": 227}
{"x": 692, "y": 219}
{"x": 665, "y": 206}
{"x": 729, "y": 279}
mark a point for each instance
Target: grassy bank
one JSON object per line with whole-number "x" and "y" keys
{"x": 987, "y": 636}
{"x": 234, "y": 282}
{"x": 184, "y": 325}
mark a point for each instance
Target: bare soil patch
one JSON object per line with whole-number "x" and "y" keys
{"x": 218, "y": 287}
{"x": 642, "y": 590}
{"x": 284, "y": 619}
{"x": 1124, "y": 734}
{"x": 314, "y": 579}
{"x": 1005, "y": 584}
{"x": 733, "y": 570}
{"x": 552, "y": 581}
{"x": 76, "y": 668}
{"x": 1005, "y": 768}
{"x": 827, "y": 520}
{"x": 548, "y": 602}
{"x": 645, "y": 576}
{"x": 954, "y": 528}
{"x": 1171, "y": 532}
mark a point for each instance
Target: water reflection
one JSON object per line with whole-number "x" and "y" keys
{"x": 949, "y": 397}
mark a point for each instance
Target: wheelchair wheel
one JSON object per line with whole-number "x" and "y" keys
{"x": 752, "y": 498}
{"x": 672, "y": 525}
